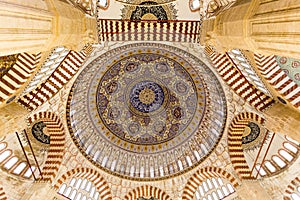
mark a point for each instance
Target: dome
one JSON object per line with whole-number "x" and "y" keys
{"x": 146, "y": 111}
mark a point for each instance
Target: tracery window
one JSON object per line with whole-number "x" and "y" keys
{"x": 214, "y": 189}
{"x": 52, "y": 62}
{"x": 246, "y": 69}
{"x": 79, "y": 189}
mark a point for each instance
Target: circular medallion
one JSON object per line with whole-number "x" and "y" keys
{"x": 146, "y": 96}
{"x": 146, "y": 102}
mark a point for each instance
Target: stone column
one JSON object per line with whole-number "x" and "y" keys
{"x": 268, "y": 27}
{"x": 39, "y": 25}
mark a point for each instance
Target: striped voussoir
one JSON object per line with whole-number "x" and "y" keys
{"x": 122, "y": 30}
{"x": 2, "y": 194}
{"x": 201, "y": 175}
{"x": 18, "y": 75}
{"x": 62, "y": 74}
{"x": 57, "y": 140}
{"x": 291, "y": 188}
{"x": 238, "y": 83}
{"x": 270, "y": 70}
{"x": 235, "y": 133}
{"x": 90, "y": 174}
{"x": 147, "y": 191}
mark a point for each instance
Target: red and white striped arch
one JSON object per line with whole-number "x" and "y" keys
{"x": 203, "y": 174}
{"x": 2, "y": 194}
{"x": 147, "y": 191}
{"x": 57, "y": 140}
{"x": 237, "y": 82}
{"x": 62, "y": 75}
{"x": 275, "y": 76}
{"x": 90, "y": 174}
{"x": 18, "y": 75}
{"x": 235, "y": 134}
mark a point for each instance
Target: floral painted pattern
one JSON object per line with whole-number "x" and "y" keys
{"x": 291, "y": 67}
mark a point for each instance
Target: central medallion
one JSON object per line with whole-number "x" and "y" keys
{"x": 146, "y": 96}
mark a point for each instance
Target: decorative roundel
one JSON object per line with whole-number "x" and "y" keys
{"x": 140, "y": 107}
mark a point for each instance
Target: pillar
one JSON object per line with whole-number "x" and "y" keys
{"x": 39, "y": 25}
{"x": 268, "y": 27}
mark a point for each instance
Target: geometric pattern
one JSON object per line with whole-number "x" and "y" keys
{"x": 57, "y": 140}
{"x": 204, "y": 173}
{"x": 62, "y": 74}
{"x": 237, "y": 82}
{"x": 270, "y": 70}
{"x": 147, "y": 191}
{"x": 235, "y": 134}
{"x": 91, "y": 175}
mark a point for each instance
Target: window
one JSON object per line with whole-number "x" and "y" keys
{"x": 194, "y": 5}
{"x": 248, "y": 72}
{"x": 290, "y": 147}
{"x": 2, "y": 146}
{"x": 48, "y": 67}
{"x": 11, "y": 162}
{"x": 103, "y": 4}
{"x": 270, "y": 166}
{"x": 286, "y": 155}
{"x": 4, "y": 155}
{"x": 214, "y": 189}
{"x": 278, "y": 161}
{"x": 20, "y": 168}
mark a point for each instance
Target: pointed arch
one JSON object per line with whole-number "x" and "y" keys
{"x": 202, "y": 174}
{"x": 90, "y": 174}
{"x": 57, "y": 142}
{"x": 147, "y": 190}
{"x": 2, "y": 194}
{"x": 291, "y": 188}
{"x": 235, "y": 133}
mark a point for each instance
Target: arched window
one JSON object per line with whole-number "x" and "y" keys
{"x": 4, "y": 155}
{"x": 2, "y": 146}
{"x": 249, "y": 73}
{"x": 78, "y": 188}
{"x": 214, "y": 189}
{"x": 11, "y": 162}
{"x": 20, "y": 168}
{"x": 52, "y": 62}
{"x": 279, "y": 161}
{"x": 286, "y": 155}
{"x": 194, "y": 5}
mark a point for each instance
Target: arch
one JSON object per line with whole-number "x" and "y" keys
{"x": 147, "y": 190}
{"x": 57, "y": 141}
{"x": 90, "y": 174}
{"x": 199, "y": 176}
{"x": 275, "y": 76}
{"x": 2, "y": 194}
{"x": 235, "y": 133}
{"x": 237, "y": 82}
{"x": 291, "y": 188}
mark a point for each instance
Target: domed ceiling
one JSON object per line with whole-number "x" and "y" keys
{"x": 146, "y": 111}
